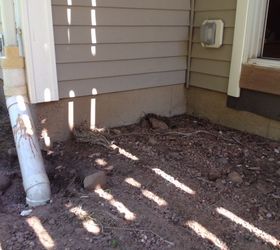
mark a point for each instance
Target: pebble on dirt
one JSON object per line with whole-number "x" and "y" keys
{"x": 264, "y": 188}
{"x": 214, "y": 174}
{"x": 5, "y": 182}
{"x": 235, "y": 177}
{"x": 95, "y": 181}
{"x": 152, "y": 141}
{"x": 12, "y": 152}
{"x": 157, "y": 124}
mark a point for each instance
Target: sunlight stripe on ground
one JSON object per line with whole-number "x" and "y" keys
{"x": 44, "y": 237}
{"x": 205, "y": 234}
{"x": 88, "y": 222}
{"x": 124, "y": 153}
{"x": 172, "y": 180}
{"x": 146, "y": 193}
{"x": 251, "y": 228}
{"x": 128, "y": 215}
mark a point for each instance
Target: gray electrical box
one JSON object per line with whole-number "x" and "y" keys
{"x": 211, "y": 33}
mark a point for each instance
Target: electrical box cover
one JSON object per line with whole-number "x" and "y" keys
{"x": 211, "y": 33}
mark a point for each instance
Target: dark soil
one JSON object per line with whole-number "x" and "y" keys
{"x": 202, "y": 186}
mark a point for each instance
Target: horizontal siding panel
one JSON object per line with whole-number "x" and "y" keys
{"x": 228, "y": 16}
{"x": 228, "y": 35}
{"x": 120, "y": 83}
{"x": 216, "y": 68}
{"x": 117, "y": 68}
{"x": 210, "y": 68}
{"x": 103, "y": 52}
{"x": 223, "y": 53}
{"x": 152, "y": 4}
{"x": 215, "y": 83}
{"x": 118, "y": 17}
{"x": 206, "y": 5}
{"x": 83, "y": 35}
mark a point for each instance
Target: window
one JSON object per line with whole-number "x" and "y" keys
{"x": 271, "y": 47}
{"x": 256, "y": 40}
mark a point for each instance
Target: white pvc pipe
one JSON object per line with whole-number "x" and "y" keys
{"x": 35, "y": 180}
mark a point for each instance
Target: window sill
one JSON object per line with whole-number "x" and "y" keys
{"x": 261, "y": 76}
{"x": 266, "y": 63}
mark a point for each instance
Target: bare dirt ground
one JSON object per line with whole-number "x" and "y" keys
{"x": 193, "y": 186}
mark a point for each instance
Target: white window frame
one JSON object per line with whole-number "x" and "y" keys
{"x": 248, "y": 40}
{"x": 39, "y": 50}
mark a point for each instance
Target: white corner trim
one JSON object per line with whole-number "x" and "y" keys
{"x": 239, "y": 42}
{"x": 39, "y": 50}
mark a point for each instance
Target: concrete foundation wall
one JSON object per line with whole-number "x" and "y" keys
{"x": 212, "y": 105}
{"x": 125, "y": 108}
{"x": 110, "y": 110}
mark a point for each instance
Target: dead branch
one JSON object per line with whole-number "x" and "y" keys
{"x": 183, "y": 134}
{"x": 163, "y": 133}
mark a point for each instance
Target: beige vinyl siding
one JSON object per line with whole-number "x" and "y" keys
{"x": 120, "y": 45}
{"x": 210, "y": 67}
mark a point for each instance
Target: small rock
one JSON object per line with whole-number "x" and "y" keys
{"x": 235, "y": 177}
{"x": 226, "y": 170}
{"x": 5, "y": 183}
{"x": 116, "y": 131}
{"x": 94, "y": 155}
{"x": 12, "y": 152}
{"x": 268, "y": 215}
{"x": 223, "y": 160}
{"x": 271, "y": 159}
{"x": 175, "y": 155}
{"x": 12, "y": 156}
{"x": 220, "y": 184}
{"x": 277, "y": 151}
{"x": 95, "y": 181}
{"x": 108, "y": 169}
{"x": 265, "y": 188}
{"x": 246, "y": 153}
{"x": 157, "y": 124}
{"x": 26, "y": 213}
{"x": 79, "y": 230}
{"x": 144, "y": 123}
{"x": 31, "y": 244}
{"x": 152, "y": 141}
{"x": 214, "y": 174}
{"x": 51, "y": 221}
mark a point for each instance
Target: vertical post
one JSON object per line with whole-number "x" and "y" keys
{"x": 8, "y": 22}
{"x": 239, "y": 42}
